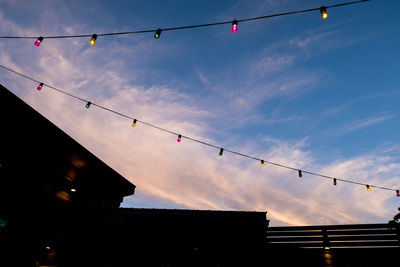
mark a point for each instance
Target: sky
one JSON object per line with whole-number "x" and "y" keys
{"x": 313, "y": 94}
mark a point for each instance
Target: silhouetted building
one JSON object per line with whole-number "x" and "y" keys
{"x": 167, "y": 237}
{"x": 58, "y": 202}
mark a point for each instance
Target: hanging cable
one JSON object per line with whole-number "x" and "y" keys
{"x": 180, "y": 136}
{"x": 158, "y": 31}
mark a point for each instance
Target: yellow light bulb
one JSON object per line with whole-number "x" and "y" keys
{"x": 134, "y": 123}
{"x": 93, "y": 40}
{"x": 368, "y": 188}
{"x": 324, "y": 13}
{"x": 262, "y": 163}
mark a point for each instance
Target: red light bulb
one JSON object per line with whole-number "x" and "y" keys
{"x": 234, "y": 26}
{"x": 40, "y": 86}
{"x": 38, "y": 41}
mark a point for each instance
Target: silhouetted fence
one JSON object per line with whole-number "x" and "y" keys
{"x": 334, "y": 236}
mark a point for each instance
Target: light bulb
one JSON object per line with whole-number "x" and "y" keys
{"x": 40, "y": 86}
{"x": 221, "y": 151}
{"x": 38, "y": 41}
{"x": 300, "y": 174}
{"x": 334, "y": 181}
{"x": 88, "y": 104}
{"x": 134, "y": 123}
{"x": 234, "y": 26}
{"x": 397, "y": 193}
{"x": 368, "y": 188}
{"x": 262, "y": 163}
{"x": 324, "y": 13}
{"x": 179, "y": 138}
{"x": 157, "y": 34}
{"x": 93, "y": 40}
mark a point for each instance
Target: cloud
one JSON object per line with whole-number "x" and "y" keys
{"x": 366, "y": 122}
{"x": 340, "y": 108}
{"x": 274, "y": 63}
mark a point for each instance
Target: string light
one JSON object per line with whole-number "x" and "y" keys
{"x": 134, "y": 123}
{"x": 179, "y": 138}
{"x": 234, "y": 26}
{"x": 221, "y": 151}
{"x": 93, "y": 40}
{"x": 199, "y": 141}
{"x": 324, "y": 13}
{"x": 158, "y": 31}
{"x": 334, "y": 181}
{"x": 262, "y": 163}
{"x": 368, "y": 188}
{"x": 38, "y": 41}
{"x": 40, "y": 86}
{"x": 157, "y": 34}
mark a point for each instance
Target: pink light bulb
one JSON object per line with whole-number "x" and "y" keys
{"x": 40, "y": 87}
{"x": 397, "y": 193}
{"x": 38, "y": 41}
{"x": 179, "y": 138}
{"x": 234, "y": 26}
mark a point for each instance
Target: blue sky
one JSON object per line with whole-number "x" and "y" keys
{"x": 320, "y": 95}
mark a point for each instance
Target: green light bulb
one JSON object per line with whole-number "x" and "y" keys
{"x": 157, "y": 34}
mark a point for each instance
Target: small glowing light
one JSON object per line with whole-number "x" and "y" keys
{"x": 73, "y": 190}
{"x": 93, "y": 40}
{"x": 48, "y": 248}
{"x": 300, "y": 174}
{"x": 38, "y": 41}
{"x": 3, "y": 223}
{"x": 88, "y": 104}
{"x": 334, "y": 181}
{"x": 262, "y": 163}
{"x": 324, "y": 13}
{"x": 368, "y": 188}
{"x": 234, "y": 26}
{"x": 327, "y": 248}
{"x": 221, "y": 151}
{"x": 40, "y": 86}
{"x": 134, "y": 123}
{"x": 157, "y": 34}
{"x": 179, "y": 138}
{"x": 397, "y": 193}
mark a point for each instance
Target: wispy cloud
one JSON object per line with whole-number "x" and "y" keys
{"x": 366, "y": 122}
{"x": 340, "y": 108}
{"x": 271, "y": 64}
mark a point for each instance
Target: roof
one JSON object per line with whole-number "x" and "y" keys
{"x": 35, "y": 152}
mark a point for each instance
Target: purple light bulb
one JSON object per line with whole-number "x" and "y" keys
{"x": 38, "y": 41}
{"x": 40, "y": 86}
{"x": 234, "y": 26}
{"x": 179, "y": 138}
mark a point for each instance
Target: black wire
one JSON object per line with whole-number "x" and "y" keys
{"x": 196, "y": 140}
{"x": 184, "y": 27}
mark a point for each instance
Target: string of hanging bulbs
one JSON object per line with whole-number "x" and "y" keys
{"x": 157, "y": 32}
{"x": 180, "y": 137}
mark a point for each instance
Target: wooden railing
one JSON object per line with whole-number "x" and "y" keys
{"x": 334, "y": 236}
